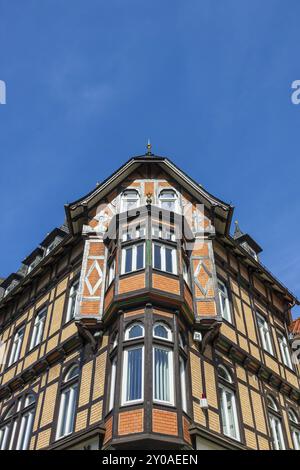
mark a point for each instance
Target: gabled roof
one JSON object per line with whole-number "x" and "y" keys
{"x": 77, "y": 210}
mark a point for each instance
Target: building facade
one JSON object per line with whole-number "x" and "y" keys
{"x": 142, "y": 323}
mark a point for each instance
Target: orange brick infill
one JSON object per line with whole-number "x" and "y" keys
{"x": 165, "y": 283}
{"x": 164, "y": 422}
{"x": 131, "y": 422}
{"x": 108, "y": 430}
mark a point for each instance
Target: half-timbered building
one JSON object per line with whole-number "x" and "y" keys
{"x": 144, "y": 322}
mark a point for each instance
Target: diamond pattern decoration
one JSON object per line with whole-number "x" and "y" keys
{"x": 93, "y": 278}
{"x": 198, "y": 274}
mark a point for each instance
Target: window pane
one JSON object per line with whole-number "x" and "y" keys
{"x": 162, "y": 375}
{"x": 128, "y": 260}
{"x": 157, "y": 256}
{"x": 136, "y": 331}
{"x": 169, "y": 260}
{"x": 161, "y": 331}
{"x": 139, "y": 256}
{"x": 134, "y": 375}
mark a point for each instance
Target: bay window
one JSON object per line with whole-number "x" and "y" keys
{"x": 230, "y": 425}
{"x": 133, "y": 258}
{"x": 265, "y": 334}
{"x": 164, "y": 258}
{"x": 68, "y": 403}
{"x": 132, "y": 232}
{"x": 38, "y": 328}
{"x": 275, "y": 424}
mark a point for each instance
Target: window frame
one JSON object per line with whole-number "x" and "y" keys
{"x": 126, "y": 350}
{"x": 68, "y": 385}
{"x": 71, "y": 294}
{"x": 163, "y": 261}
{"x": 123, "y": 205}
{"x": 134, "y": 247}
{"x": 269, "y": 348}
{"x": 170, "y": 352}
{"x": 285, "y": 351}
{"x": 15, "y": 352}
{"x": 227, "y": 385}
{"x": 38, "y": 328}
{"x": 225, "y": 295}
{"x": 175, "y": 199}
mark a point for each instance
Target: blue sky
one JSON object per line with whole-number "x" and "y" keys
{"x": 208, "y": 81}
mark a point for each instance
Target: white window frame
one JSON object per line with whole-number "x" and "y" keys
{"x": 111, "y": 272}
{"x": 182, "y": 372}
{"x": 129, "y": 328}
{"x": 38, "y": 328}
{"x": 112, "y": 383}
{"x": 25, "y": 430}
{"x": 71, "y": 408}
{"x": 125, "y": 375}
{"x": 163, "y": 258}
{"x": 16, "y": 346}
{"x": 170, "y": 199}
{"x": 71, "y": 309}
{"x": 278, "y": 440}
{"x": 124, "y": 200}
{"x": 169, "y": 331}
{"x": 296, "y": 438}
{"x": 134, "y": 258}
{"x": 140, "y": 232}
{"x": 171, "y": 375}
{"x": 265, "y": 333}
{"x": 223, "y": 399}
{"x": 4, "y": 432}
{"x": 159, "y": 232}
{"x": 223, "y": 293}
{"x": 285, "y": 352}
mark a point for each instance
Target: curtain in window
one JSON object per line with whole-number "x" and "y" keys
{"x": 162, "y": 375}
{"x": 277, "y": 433}
{"x": 134, "y": 374}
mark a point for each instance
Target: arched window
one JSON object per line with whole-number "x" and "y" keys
{"x": 16, "y": 424}
{"x": 224, "y": 374}
{"x": 130, "y": 200}
{"x": 133, "y": 366}
{"x": 168, "y": 199}
{"x": 161, "y": 330}
{"x": 295, "y": 428}
{"x": 135, "y": 330}
{"x": 229, "y": 415}
{"x": 163, "y": 373}
{"x": 68, "y": 402}
{"x": 275, "y": 424}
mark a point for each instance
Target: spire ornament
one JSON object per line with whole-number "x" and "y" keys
{"x": 149, "y": 147}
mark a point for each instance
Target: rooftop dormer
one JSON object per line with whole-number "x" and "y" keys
{"x": 246, "y": 242}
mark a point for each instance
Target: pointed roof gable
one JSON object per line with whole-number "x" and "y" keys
{"x": 77, "y": 210}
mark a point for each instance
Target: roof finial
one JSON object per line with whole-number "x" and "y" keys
{"x": 237, "y": 230}
{"x": 149, "y": 147}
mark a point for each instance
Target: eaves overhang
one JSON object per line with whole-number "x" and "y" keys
{"x": 260, "y": 270}
{"x": 76, "y": 212}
